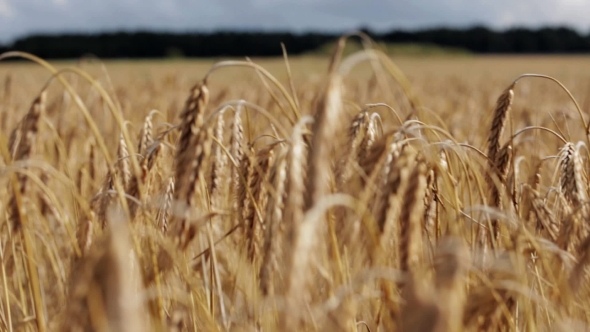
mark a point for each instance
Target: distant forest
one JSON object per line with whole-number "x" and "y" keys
{"x": 217, "y": 44}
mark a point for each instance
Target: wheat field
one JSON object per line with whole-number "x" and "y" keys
{"x": 351, "y": 193}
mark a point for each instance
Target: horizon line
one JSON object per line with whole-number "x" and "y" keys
{"x": 328, "y": 32}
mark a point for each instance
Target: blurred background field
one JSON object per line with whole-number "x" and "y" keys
{"x": 452, "y": 85}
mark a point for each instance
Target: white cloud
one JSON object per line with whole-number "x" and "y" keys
{"x": 6, "y": 10}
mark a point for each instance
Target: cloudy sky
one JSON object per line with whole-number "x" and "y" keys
{"x": 23, "y": 17}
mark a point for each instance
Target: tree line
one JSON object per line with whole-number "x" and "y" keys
{"x": 226, "y": 43}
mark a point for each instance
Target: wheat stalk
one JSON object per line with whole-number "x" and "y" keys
{"x": 451, "y": 265}
{"x": 105, "y": 294}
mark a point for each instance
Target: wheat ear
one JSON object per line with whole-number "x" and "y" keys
{"x": 146, "y": 136}
{"x": 219, "y": 162}
{"x": 194, "y": 147}
{"x": 123, "y": 162}
{"x": 258, "y": 183}
{"x": 503, "y": 105}
{"x": 22, "y": 146}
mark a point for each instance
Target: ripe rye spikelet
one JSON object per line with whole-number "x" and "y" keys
{"x": 246, "y": 173}
{"x": 379, "y": 157}
{"x": 199, "y": 152}
{"x": 22, "y": 146}
{"x": 237, "y": 136}
{"x": 153, "y": 152}
{"x": 503, "y": 105}
{"x": 362, "y": 136}
{"x": 20, "y": 143}
{"x": 47, "y": 208}
{"x": 500, "y": 169}
{"x": 105, "y": 198}
{"x": 133, "y": 193}
{"x": 570, "y": 175}
{"x": 526, "y": 194}
{"x": 503, "y": 161}
{"x": 358, "y": 126}
{"x": 191, "y": 122}
{"x": 387, "y": 214}
{"x": 192, "y": 116}
{"x": 389, "y": 199}
{"x": 503, "y": 158}
{"x": 219, "y": 161}
{"x": 166, "y": 203}
{"x": 545, "y": 221}
{"x": 352, "y": 174}
{"x": 134, "y": 197}
{"x": 412, "y": 212}
{"x": 573, "y": 189}
{"x": 356, "y": 134}
{"x": 85, "y": 233}
{"x": 258, "y": 184}
{"x": 379, "y": 187}
{"x": 273, "y": 235}
{"x": 370, "y": 136}
{"x": 502, "y": 108}
{"x": 374, "y": 155}
{"x": 146, "y": 138}
{"x": 123, "y": 162}
{"x": 237, "y": 153}
{"x": 394, "y": 148}
{"x": 194, "y": 147}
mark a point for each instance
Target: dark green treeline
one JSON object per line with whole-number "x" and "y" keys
{"x": 215, "y": 44}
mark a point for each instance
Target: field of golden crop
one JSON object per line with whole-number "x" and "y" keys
{"x": 352, "y": 194}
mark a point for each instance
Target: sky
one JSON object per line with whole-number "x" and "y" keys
{"x": 23, "y": 17}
